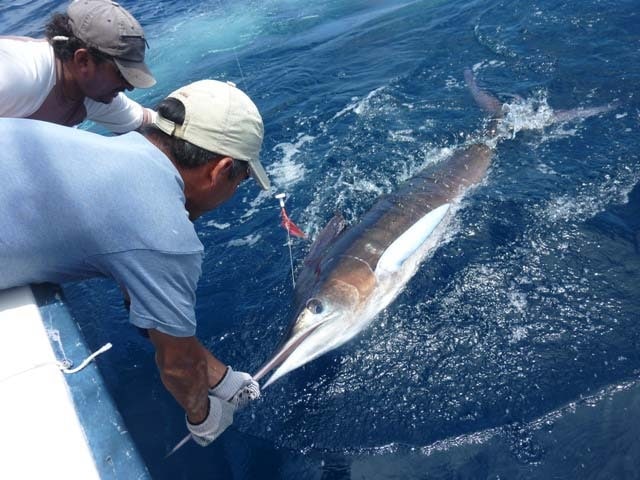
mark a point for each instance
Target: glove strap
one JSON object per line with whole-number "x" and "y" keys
{"x": 226, "y": 372}
{"x": 205, "y": 418}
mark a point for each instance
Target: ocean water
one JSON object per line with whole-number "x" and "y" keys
{"x": 514, "y": 352}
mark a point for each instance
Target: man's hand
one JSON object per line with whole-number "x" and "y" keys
{"x": 219, "y": 417}
{"x": 238, "y": 388}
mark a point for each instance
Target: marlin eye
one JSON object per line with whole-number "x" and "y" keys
{"x": 314, "y": 306}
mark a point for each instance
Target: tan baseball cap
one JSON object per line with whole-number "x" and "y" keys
{"x": 108, "y": 27}
{"x": 222, "y": 119}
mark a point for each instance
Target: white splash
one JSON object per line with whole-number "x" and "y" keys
{"x": 216, "y": 225}
{"x": 359, "y": 106}
{"x": 247, "y": 241}
{"x": 286, "y": 172}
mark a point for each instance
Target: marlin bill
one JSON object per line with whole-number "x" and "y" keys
{"x": 351, "y": 274}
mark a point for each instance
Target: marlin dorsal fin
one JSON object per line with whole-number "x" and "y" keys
{"x": 325, "y": 238}
{"x": 411, "y": 240}
{"x": 308, "y": 274}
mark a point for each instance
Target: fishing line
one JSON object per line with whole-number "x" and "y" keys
{"x": 281, "y": 197}
{"x": 289, "y": 226}
{"x": 293, "y": 279}
{"x": 235, "y": 54}
{"x": 244, "y": 82}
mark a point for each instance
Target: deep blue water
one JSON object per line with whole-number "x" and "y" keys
{"x": 515, "y": 350}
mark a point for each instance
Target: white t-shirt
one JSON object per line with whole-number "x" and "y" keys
{"x": 28, "y": 77}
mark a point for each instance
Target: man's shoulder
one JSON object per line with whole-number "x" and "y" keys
{"x": 27, "y": 75}
{"x": 24, "y": 47}
{"x": 65, "y": 136}
{"x": 23, "y": 40}
{"x": 26, "y": 128}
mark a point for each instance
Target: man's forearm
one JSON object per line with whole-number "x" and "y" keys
{"x": 183, "y": 368}
{"x": 188, "y": 385}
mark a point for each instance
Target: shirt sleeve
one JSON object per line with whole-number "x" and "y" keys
{"x": 122, "y": 115}
{"x": 27, "y": 76}
{"x": 162, "y": 288}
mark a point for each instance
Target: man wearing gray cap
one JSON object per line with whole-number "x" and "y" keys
{"x": 91, "y": 55}
{"x": 122, "y": 207}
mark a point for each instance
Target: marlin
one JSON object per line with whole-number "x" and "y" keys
{"x": 351, "y": 274}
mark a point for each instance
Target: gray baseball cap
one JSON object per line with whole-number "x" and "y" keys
{"x": 109, "y": 28}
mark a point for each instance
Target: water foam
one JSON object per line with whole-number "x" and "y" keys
{"x": 286, "y": 172}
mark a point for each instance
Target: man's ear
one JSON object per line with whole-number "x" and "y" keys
{"x": 82, "y": 58}
{"x": 220, "y": 169}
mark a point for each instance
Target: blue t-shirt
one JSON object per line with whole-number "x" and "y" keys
{"x": 74, "y": 205}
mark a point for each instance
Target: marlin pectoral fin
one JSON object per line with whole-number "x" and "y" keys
{"x": 411, "y": 240}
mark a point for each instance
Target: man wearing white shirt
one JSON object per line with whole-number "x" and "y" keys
{"x": 91, "y": 55}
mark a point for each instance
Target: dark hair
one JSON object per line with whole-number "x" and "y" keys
{"x": 61, "y": 37}
{"x": 185, "y": 153}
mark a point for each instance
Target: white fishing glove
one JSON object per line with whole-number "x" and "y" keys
{"x": 238, "y": 388}
{"x": 220, "y": 416}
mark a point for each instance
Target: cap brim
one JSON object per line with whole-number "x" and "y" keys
{"x": 136, "y": 73}
{"x": 258, "y": 172}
